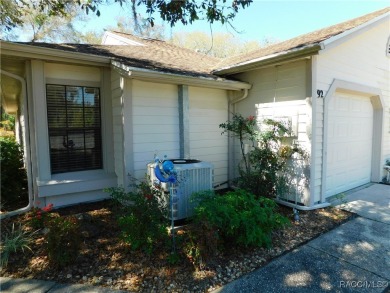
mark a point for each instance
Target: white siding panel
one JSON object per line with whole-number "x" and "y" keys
{"x": 283, "y": 83}
{"x": 156, "y": 146}
{"x": 296, "y": 111}
{"x": 361, "y": 60}
{"x": 144, "y": 157}
{"x": 208, "y": 109}
{"x": 146, "y": 138}
{"x": 156, "y": 102}
{"x": 280, "y": 84}
{"x": 209, "y": 150}
{"x": 205, "y": 143}
{"x": 156, "y": 129}
{"x": 155, "y": 121}
{"x": 153, "y": 111}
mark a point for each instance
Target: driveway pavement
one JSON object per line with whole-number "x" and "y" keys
{"x": 354, "y": 257}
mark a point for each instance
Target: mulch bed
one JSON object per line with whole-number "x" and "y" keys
{"x": 105, "y": 260}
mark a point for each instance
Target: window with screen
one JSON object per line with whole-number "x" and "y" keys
{"x": 74, "y": 122}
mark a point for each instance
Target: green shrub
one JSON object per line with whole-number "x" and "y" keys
{"x": 238, "y": 218}
{"x": 141, "y": 216}
{"x": 63, "y": 240}
{"x": 262, "y": 178}
{"x": 13, "y": 173}
{"x": 7, "y": 121}
{"x": 14, "y": 241}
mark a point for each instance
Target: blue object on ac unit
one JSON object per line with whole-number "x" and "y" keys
{"x": 168, "y": 169}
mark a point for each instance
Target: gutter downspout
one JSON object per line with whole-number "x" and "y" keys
{"x": 28, "y": 148}
{"x": 244, "y": 96}
{"x": 231, "y": 111}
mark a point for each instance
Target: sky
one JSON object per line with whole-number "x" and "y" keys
{"x": 278, "y": 20}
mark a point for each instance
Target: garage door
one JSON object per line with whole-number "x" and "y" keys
{"x": 349, "y": 146}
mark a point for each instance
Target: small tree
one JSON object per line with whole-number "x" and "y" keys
{"x": 267, "y": 164}
{"x": 244, "y": 129}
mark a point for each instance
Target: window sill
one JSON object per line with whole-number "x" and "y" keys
{"x": 75, "y": 182}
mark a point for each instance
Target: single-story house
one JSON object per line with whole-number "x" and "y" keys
{"x": 90, "y": 115}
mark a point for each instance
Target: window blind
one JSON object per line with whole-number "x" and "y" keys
{"x": 74, "y": 122}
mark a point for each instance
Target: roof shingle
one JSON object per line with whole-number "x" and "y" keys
{"x": 154, "y": 55}
{"x": 164, "y": 57}
{"x": 301, "y": 41}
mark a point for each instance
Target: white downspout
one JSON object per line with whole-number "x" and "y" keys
{"x": 28, "y": 148}
{"x": 232, "y": 110}
{"x": 244, "y": 96}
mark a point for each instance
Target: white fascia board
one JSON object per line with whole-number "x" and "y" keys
{"x": 356, "y": 30}
{"x": 29, "y": 51}
{"x": 163, "y": 77}
{"x": 270, "y": 59}
{"x": 119, "y": 38}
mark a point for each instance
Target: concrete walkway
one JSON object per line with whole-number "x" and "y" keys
{"x": 9, "y": 285}
{"x": 354, "y": 257}
{"x": 371, "y": 202}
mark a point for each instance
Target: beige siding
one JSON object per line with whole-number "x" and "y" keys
{"x": 72, "y": 72}
{"x": 282, "y": 84}
{"x": 155, "y": 118}
{"x": 208, "y": 109}
{"x": 362, "y": 60}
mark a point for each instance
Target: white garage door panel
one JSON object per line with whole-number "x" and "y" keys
{"x": 349, "y": 146}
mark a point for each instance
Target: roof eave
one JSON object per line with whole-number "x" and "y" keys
{"x": 29, "y": 51}
{"x": 279, "y": 57}
{"x": 158, "y": 76}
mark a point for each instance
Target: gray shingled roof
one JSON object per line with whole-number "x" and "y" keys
{"x": 299, "y": 42}
{"x": 154, "y": 55}
{"x": 163, "y": 57}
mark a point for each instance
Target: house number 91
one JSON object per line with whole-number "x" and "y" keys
{"x": 320, "y": 93}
